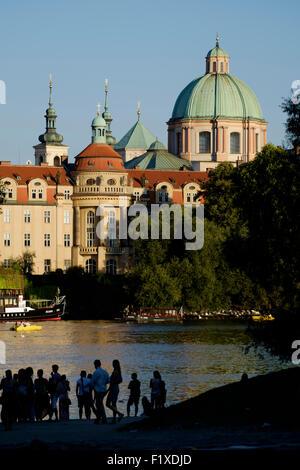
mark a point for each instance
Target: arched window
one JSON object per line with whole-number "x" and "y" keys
{"x": 99, "y": 131}
{"x": 103, "y": 132}
{"x": 214, "y": 66}
{"x": 234, "y": 142}
{"x": 90, "y": 229}
{"x": 111, "y": 266}
{"x": 90, "y": 266}
{"x": 204, "y": 142}
{"x": 56, "y": 161}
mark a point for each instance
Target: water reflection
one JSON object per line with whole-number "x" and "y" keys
{"x": 192, "y": 358}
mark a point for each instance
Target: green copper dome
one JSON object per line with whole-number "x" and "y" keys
{"x": 158, "y": 158}
{"x": 98, "y": 121}
{"x": 213, "y": 96}
{"x": 217, "y": 52}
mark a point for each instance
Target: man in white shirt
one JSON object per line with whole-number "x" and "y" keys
{"x": 99, "y": 381}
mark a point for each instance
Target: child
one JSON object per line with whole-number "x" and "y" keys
{"x": 135, "y": 393}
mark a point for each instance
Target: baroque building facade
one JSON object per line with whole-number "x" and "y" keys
{"x": 52, "y": 208}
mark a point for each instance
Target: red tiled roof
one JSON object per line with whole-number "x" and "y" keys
{"x": 98, "y": 157}
{"x": 176, "y": 178}
{"x": 24, "y": 173}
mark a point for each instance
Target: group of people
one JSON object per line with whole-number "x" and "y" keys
{"x": 25, "y": 399}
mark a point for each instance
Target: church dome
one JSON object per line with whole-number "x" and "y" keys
{"x": 213, "y": 96}
{"x": 217, "y": 52}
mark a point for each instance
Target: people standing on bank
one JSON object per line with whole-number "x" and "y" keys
{"x": 53, "y": 382}
{"x": 135, "y": 393}
{"x": 8, "y": 412}
{"x": 113, "y": 391}
{"x": 83, "y": 389}
{"x": 42, "y": 405}
{"x": 63, "y": 387}
{"x": 100, "y": 380}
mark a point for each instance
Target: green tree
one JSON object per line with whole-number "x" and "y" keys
{"x": 292, "y": 125}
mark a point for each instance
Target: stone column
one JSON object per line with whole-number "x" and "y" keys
{"x": 265, "y": 137}
{"x": 224, "y": 139}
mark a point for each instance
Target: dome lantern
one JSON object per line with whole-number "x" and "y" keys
{"x": 217, "y": 60}
{"x": 98, "y": 128}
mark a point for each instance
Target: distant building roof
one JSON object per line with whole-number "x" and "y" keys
{"x": 22, "y": 174}
{"x": 138, "y": 137}
{"x": 149, "y": 178}
{"x": 158, "y": 158}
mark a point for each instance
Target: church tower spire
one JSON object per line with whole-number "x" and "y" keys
{"x": 108, "y": 119}
{"x": 51, "y": 150}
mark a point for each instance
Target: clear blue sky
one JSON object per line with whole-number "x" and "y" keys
{"x": 149, "y": 50}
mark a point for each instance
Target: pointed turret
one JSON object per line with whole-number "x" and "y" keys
{"x": 111, "y": 140}
{"x": 51, "y": 150}
{"x": 136, "y": 141}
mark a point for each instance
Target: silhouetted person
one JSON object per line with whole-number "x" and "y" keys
{"x": 113, "y": 391}
{"x": 99, "y": 381}
{"x": 8, "y": 400}
{"x": 42, "y": 405}
{"x": 135, "y": 393}
{"x": 22, "y": 396}
{"x": 30, "y": 412}
{"x": 83, "y": 387}
{"x": 156, "y": 390}
{"x": 91, "y": 399}
{"x": 53, "y": 382}
{"x": 63, "y": 387}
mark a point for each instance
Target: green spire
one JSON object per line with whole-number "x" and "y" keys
{"x": 107, "y": 116}
{"x": 51, "y": 137}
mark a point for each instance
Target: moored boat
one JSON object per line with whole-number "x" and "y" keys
{"x": 151, "y": 314}
{"x": 13, "y": 307}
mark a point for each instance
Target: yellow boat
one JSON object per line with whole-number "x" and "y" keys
{"x": 262, "y": 318}
{"x": 26, "y": 327}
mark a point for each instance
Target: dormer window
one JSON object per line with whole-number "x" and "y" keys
{"x": 40, "y": 194}
{"x": 33, "y": 193}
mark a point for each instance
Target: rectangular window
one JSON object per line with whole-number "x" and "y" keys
{"x": 7, "y": 215}
{"x": 33, "y": 193}
{"x": 47, "y": 217}
{"x": 67, "y": 217}
{"x": 256, "y": 143}
{"x": 67, "y": 239}
{"x": 47, "y": 239}
{"x": 188, "y": 197}
{"x": 7, "y": 263}
{"x": 27, "y": 239}
{"x": 7, "y": 239}
{"x": 27, "y": 216}
{"x": 67, "y": 194}
{"x": 136, "y": 195}
{"x": 67, "y": 264}
{"x": 10, "y": 193}
{"x": 90, "y": 236}
{"x": 47, "y": 265}
{"x": 40, "y": 194}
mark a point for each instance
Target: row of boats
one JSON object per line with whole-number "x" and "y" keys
{"x": 13, "y": 308}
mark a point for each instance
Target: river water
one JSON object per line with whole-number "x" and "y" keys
{"x": 191, "y": 358}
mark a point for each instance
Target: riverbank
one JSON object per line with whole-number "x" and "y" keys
{"x": 263, "y": 414}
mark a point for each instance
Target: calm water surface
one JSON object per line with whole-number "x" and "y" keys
{"x": 192, "y": 358}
